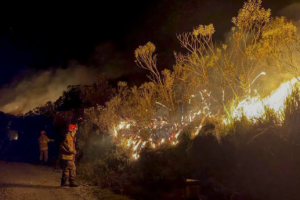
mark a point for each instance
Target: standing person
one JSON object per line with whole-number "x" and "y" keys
{"x": 68, "y": 154}
{"x": 43, "y": 143}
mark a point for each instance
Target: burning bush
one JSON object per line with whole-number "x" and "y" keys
{"x": 212, "y": 82}
{"x": 214, "y": 102}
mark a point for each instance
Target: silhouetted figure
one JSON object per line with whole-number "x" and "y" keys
{"x": 43, "y": 143}
{"x": 68, "y": 154}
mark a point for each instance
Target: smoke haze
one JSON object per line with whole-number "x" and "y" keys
{"x": 291, "y": 11}
{"x": 37, "y": 89}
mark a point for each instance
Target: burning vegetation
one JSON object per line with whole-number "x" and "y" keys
{"x": 214, "y": 114}
{"x": 227, "y": 114}
{"x": 228, "y": 111}
{"x": 210, "y": 82}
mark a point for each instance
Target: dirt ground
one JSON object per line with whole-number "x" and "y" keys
{"x": 20, "y": 181}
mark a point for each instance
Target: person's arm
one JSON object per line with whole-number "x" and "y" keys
{"x": 47, "y": 139}
{"x": 67, "y": 147}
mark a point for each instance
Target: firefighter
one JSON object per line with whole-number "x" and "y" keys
{"x": 68, "y": 154}
{"x": 43, "y": 143}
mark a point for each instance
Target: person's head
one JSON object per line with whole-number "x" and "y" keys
{"x": 72, "y": 129}
{"x": 43, "y": 132}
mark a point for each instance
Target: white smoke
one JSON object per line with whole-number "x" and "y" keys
{"x": 291, "y": 11}
{"x": 36, "y": 90}
{"x": 40, "y": 87}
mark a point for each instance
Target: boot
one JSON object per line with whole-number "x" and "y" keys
{"x": 73, "y": 183}
{"x": 63, "y": 182}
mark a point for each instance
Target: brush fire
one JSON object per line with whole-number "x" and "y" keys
{"x": 253, "y": 108}
{"x": 210, "y": 81}
{"x": 257, "y": 46}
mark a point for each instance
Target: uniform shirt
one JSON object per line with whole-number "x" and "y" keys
{"x": 43, "y": 142}
{"x": 67, "y": 148}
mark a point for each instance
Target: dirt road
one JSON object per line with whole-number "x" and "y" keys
{"x": 20, "y": 181}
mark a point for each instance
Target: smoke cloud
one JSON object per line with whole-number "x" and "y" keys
{"x": 37, "y": 89}
{"x": 291, "y": 11}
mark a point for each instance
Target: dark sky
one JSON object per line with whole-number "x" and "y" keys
{"x": 40, "y": 36}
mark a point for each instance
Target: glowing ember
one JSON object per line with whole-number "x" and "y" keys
{"x": 128, "y": 143}
{"x": 15, "y": 136}
{"x": 135, "y": 156}
{"x": 136, "y": 146}
{"x": 121, "y": 126}
{"x": 115, "y": 132}
{"x": 161, "y": 129}
{"x": 153, "y": 145}
{"x": 171, "y": 129}
{"x": 177, "y": 133}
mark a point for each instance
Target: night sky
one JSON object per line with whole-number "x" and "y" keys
{"x": 37, "y": 37}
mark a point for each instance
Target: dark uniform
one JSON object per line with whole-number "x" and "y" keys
{"x": 68, "y": 153}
